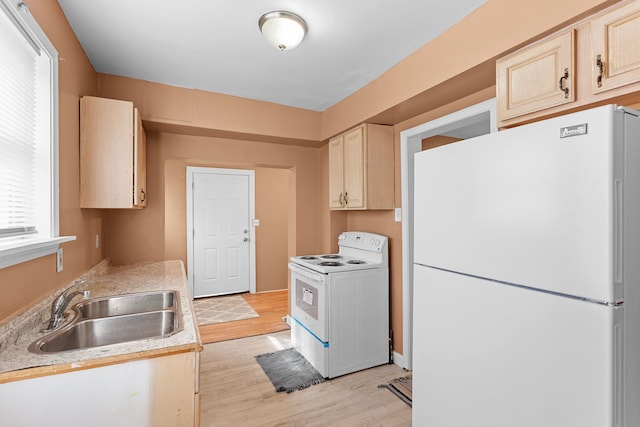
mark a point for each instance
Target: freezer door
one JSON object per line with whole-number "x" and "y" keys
{"x": 491, "y": 355}
{"x": 527, "y": 206}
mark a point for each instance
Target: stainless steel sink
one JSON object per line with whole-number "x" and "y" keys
{"x": 116, "y": 319}
{"x": 89, "y": 333}
{"x": 126, "y": 304}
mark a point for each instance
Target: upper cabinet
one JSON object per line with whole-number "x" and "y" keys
{"x": 537, "y": 77}
{"x": 112, "y": 155}
{"x": 593, "y": 61}
{"x": 361, "y": 168}
{"x": 616, "y": 48}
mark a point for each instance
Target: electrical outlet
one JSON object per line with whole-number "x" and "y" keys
{"x": 59, "y": 262}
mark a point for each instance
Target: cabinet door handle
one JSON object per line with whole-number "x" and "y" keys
{"x": 340, "y": 199}
{"x": 144, "y": 196}
{"x": 600, "y": 65}
{"x": 346, "y": 201}
{"x": 563, "y": 80}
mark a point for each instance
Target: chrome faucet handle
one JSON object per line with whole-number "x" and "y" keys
{"x": 59, "y": 305}
{"x": 65, "y": 297}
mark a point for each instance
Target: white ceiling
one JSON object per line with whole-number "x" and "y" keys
{"x": 216, "y": 46}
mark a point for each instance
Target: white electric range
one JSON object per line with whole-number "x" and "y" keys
{"x": 340, "y": 305}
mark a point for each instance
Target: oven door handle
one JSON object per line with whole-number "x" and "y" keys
{"x": 307, "y": 274}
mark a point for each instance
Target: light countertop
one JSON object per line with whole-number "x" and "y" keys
{"x": 16, "y": 362}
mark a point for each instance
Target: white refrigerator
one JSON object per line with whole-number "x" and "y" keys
{"x": 527, "y": 276}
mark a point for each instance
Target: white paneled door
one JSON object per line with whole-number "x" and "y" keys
{"x": 221, "y": 233}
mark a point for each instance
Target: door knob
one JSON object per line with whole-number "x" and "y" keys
{"x": 246, "y": 239}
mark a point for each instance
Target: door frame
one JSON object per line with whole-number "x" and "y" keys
{"x": 410, "y": 144}
{"x": 191, "y": 171}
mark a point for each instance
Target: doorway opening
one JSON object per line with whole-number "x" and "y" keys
{"x": 473, "y": 121}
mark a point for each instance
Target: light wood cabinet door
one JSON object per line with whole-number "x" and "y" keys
{"x": 336, "y": 172}
{"x": 537, "y": 77}
{"x": 112, "y": 154}
{"x": 140, "y": 162}
{"x": 354, "y": 173}
{"x": 616, "y": 48}
{"x": 361, "y": 168}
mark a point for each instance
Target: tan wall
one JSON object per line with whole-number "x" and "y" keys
{"x": 23, "y": 284}
{"x": 454, "y": 71}
{"x": 272, "y": 209}
{"x": 437, "y": 141}
{"x": 159, "y": 231}
{"x": 195, "y": 112}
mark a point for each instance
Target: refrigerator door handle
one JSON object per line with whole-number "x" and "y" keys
{"x": 618, "y": 235}
{"x": 618, "y": 371}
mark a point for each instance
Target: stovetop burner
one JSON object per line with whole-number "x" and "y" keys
{"x": 357, "y": 251}
{"x": 330, "y": 264}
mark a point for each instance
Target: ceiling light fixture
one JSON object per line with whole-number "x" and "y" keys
{"x": 283, "y": 30}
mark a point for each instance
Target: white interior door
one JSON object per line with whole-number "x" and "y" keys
{"x": 222, "y": 254}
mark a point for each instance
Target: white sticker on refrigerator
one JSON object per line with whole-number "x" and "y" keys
{"x": 307, "y": 296}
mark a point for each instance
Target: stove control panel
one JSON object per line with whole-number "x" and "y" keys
{"x": 362, "y": 240}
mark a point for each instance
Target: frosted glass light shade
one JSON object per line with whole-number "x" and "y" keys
{"x": 282, "y": 30}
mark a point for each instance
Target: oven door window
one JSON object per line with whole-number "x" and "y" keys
{"x": 307, "y": 298}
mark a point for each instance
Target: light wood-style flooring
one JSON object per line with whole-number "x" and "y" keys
{"x": 234, "y": 391}
{"x": 271, "y": 306}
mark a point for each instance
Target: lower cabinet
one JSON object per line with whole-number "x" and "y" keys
{"x": 157, "y": 392}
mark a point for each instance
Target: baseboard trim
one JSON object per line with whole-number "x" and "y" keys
{"x": 399, "y": 360}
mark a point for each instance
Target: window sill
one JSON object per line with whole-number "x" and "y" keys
{"x": 22, "y": 249}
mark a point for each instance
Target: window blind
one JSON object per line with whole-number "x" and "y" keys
{"x": 21, "y": 99}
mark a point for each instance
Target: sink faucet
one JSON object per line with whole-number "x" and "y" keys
{"x": 60, "y": 304}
